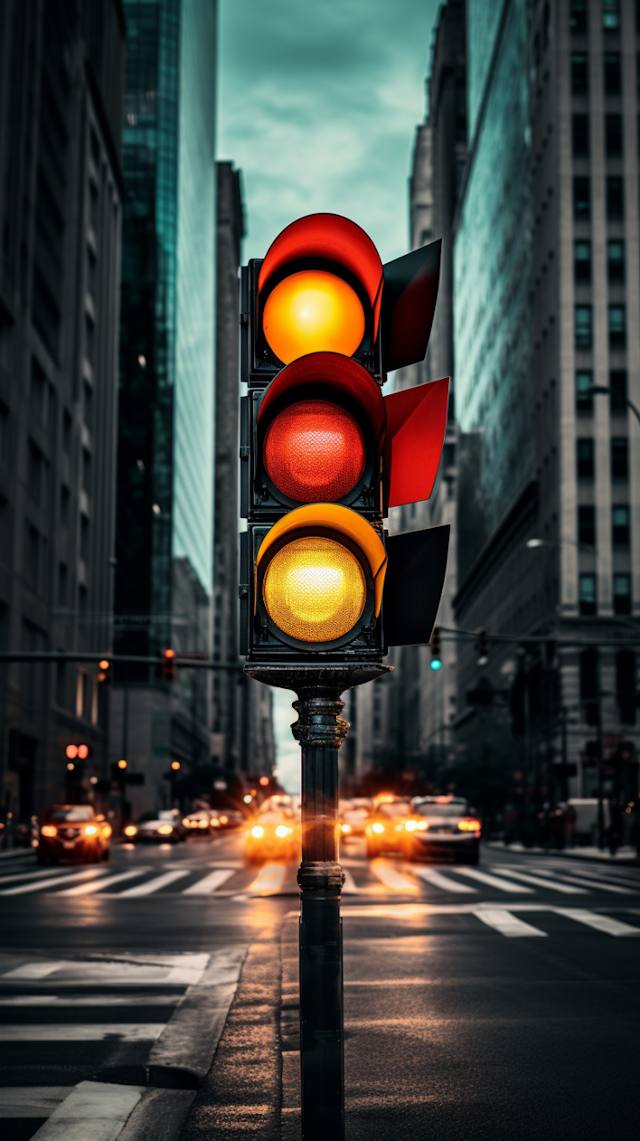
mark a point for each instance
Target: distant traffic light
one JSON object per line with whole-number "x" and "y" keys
{"x": 264, "y": 781}
{"x": 169, "y": 665}
{"x": 482, "y": 648}
{"x": 122, "y": 764}
{"x": 105, "y": 674}
{"x": 325, "y": 455}
{"x": 175, "y": 765}
{"x": 436, "y": 660}
{"x": 79, "y": 752}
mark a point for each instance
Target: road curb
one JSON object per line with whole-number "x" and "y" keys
{"x": 568, "y": 854}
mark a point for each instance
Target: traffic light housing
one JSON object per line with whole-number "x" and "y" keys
{"x": 169, "y": 665}
{"x": 325, "y": 455}
{"x": 436, "y": 660}
{"x": 105, "y": 674}
{"x": 482, "y": 648}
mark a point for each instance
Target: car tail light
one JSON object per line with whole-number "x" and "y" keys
{"x": 469, "y": 824}
{"x": 49, "y": 830}
{"x": 314, "y": 451}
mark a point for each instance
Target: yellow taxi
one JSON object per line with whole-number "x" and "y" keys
{"x": 384, "y": 830}
{"x": 273, "y": 836}
{"x": 73, "y": 832}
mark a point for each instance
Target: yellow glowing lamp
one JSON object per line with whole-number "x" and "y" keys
{"x": 319, "y": 574}
{"x": 310, "y": 312}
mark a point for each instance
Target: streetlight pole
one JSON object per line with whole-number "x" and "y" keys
{"x": 602, "y": 390}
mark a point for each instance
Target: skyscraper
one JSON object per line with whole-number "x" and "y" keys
{"x": 61, "y": 64}
{"x": 166, "y": 419}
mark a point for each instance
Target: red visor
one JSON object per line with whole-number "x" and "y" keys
{"x": 333, "y": 371}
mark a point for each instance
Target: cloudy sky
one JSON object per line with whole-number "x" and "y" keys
{"x": 318, "y": 101}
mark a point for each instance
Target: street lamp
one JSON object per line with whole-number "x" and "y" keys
{"x": 602, "y": 390}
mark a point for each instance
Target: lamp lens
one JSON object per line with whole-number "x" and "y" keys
{"x": 311, "y": 312}
{"x": 314, "y": 589}
{"x": 314, "y": 452}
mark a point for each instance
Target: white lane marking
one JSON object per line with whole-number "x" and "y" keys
{"x": 596, "y": 880}
{"x": 31, "y": 1101}
{"x": 80, "y": 1032}
{"x": 550, "y": 884}
{"x": 42, "y": 885}
{"x": 34, "y": 970}
{"x": 188, "y": 969}
{"x": 599, "y": 922}
{"x": 594, "y": 884}
{"x": 94, "y": 1110}
{"x": 507, "y": 924}
{"x": 493, "y": 881}
{"x": 98, "y": 885}
{"x": 150, "y": 886}
{"x": 31, "y": 876}
{"x": 430, "y": 875}
{"x": 72, "y": 1000}
{"x": 388, "y": 875}
{"x": 209, "y": 883}
{"x": 269, "y": 879}
{"x": 349, "y": 885}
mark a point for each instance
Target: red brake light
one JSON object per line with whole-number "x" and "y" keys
{"x": 314, "y": 452}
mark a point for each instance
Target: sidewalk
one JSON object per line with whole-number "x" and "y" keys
{"x": 626, "y": 856}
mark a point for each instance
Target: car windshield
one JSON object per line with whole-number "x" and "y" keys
{"x": 455, "y": 808}
{"x": 80, "y": 814}
{"x": 148, "y": 816}
{"x": 397, "y": 808}
{"x": 167, "y": 814}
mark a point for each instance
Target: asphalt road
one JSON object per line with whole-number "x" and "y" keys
{"x": 490, "y": 1003}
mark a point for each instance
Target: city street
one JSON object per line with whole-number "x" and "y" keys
{"x": 498, "y": 1001}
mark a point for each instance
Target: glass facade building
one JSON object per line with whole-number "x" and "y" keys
{"x": 490, "y": 278}
{"x": 166, "y": 428}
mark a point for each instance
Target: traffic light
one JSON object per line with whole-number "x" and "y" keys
{"x": 482, "y": 648}
{"x": 325, "y": 455}
{"x": 436, "y": 660}
{"x": 80, "y": 752}
{"x": 169, "y": 665}
{"x": 105, "y": 675}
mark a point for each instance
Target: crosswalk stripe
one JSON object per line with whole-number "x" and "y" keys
{"x": 74, "y": 1000}
{"x": 602, "y": 923}
{"x": 600, "y": 878}
{"x": 388, "y": 875}
{"x": 549, "y": 884}
{"x": 152, "y": 886}
{"x": 42, "y": 885}
{"x": 209, "y": 883}
{"x": 81, "y": 1032}
{"x": 507, "y": 924}
{"x": 34, "y": 971}
{"x": 594, "y": 884}
{"x": 349, "y": 886}
{"x": 430, "y": 875}
{"x": 269, "y": 879}
{"x": 41, "y": 874}
{"x": 494, "y": 881}
{"x": 98, "y": 885}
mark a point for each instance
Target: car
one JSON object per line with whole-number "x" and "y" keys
{"x": 442, "y": 826}
{"x": 273, "y": 836}
{"x": 73, "y": 832}
{"x": 164, "y": 826}
{"x": 384, "y": 830}
{"x": 201, "y": 823}
{"x": 230, "y": 818}
{"x": 352, "y": 819}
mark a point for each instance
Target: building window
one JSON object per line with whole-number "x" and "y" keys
{"x": 67, "y": 423}
{"x": 65, "y": 496}
{"x": 584, "y": 399}
{"x": 4, "y": 433}
{"x": 626, "y": 686}
{"x": 615, "y": 260}
{"x": 82, "y": 692}
{"x": 88, "y": 405}
{"x": 32, "y": 557}
{"x": 611, "y": 15}
{"x": 589, "y": 685}
{"x": 63, "y": 583}
{"x": 622, "y": 594}
{"x": 578, "y": 16}
{"x": 587, "y": 594}
{"x": 617, "y": 327}
{"x": 619, "y": 457}
{"x": 582, "y": 261}
{"x": 587, "y": 526}
{"x": 583, "y": 327}
{"x": 613, "y": 135}
{"x": 581, "y": 199}
{"x": 615, "y": 198}
{"x": 612, "y": 83}
{"x": 618, "y": 386}
{"x": 586, "y": 459}
{"x": 84, "y": 538}
{"x": 580, "y": 136}
{"x": 620, "y": 526}
{"x": 579, "y": 73}
{"x": 35, "y": 473}
{"x": 86, "y": 470}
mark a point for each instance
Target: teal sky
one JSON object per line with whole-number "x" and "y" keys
{"x": 318, "y": 101}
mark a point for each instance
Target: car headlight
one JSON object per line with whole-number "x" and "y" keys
{"x": 203, "y": 824}
{"x": 215, "y": 823}
{"x": 224, "y": 819}
{"x": 410, "y": 826}
{"x": 378, "y": 828}
{"x": 49, "y": 830}
{"x": 282, "y": 831}
{"x": 165, "y": 829}
{"x": 131, "y": 830}
{"x": 257, "y": 831}
{"x": 91, "y": 830}
{"x": 106, "y": 831}
{"x": 469, "y": 824}
{"x": 345, "y": 828}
